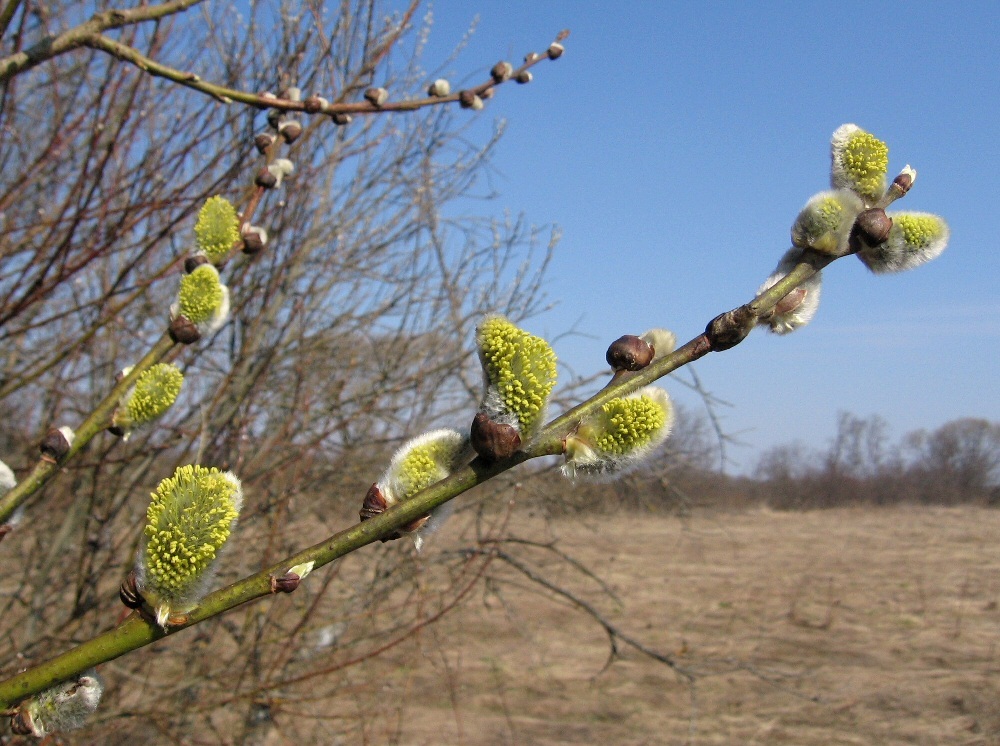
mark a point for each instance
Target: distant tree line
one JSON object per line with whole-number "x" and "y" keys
{"x": 959, "y": 462}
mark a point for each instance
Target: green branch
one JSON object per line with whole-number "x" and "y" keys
{"x": 137, "y": 631}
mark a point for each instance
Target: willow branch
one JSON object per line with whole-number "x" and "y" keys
{"x": 54, "y": 45}
{"x": 96, "y": 421}
{"x": 723, "y": 332}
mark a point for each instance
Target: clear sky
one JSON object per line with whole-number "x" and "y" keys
{"x": 673, "y": 145}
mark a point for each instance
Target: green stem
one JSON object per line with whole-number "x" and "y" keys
{"x": 96, "y": 421}
{"x": 137, "y": 631}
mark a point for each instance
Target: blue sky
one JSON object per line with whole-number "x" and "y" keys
{"x": 673, "y": 145}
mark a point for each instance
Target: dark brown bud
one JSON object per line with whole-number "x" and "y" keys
{"x": 193, "y": 262}
{"x": 374, "y": 504}
{"x": 340, "y": 118}
{"x": 501, "y": 72}
{"x": 487, "y": 94}
{"x": 376, "y": 96}
{"x": 266, "y": 179}
{"x": 290, "y": 130}
{"x": 284, "y": 583}
{"x": 523, "y": 77}
{"x": 263, "y": 141}
{"x": 254, "y": 240}
{"x": 439, "y": 88}
{"x": 730, "y": 328}
{"x": 555, "y": 50}
{"x": 54, "y": 446}
{"x": 117, "y": 430}
{"x": 903, "y": 182}
{"x": 629, "y": 353}
{"x": 493, "y": 441}
{"x": 314, "y": 104}
{"x": 22, "y": 724}
{"x": 872, "y": 227}
{"x": 274, "y": 117}
{"x": 129, "y": 592}
{"x": 469, "y": 100}
{"x": 183, "y": 331}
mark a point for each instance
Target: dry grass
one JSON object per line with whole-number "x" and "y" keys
{"x": 836, "y": 627}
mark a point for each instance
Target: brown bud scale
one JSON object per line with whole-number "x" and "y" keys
{"x": 129, "y": 592}
{"x": 730, "y": 328}
{"x": 54, "y": 446}
{"x": 266, "y": 179}
{"x": 628, "y": 352}
{"x": 376, "y": 96}
{"x": 183, "y": 331}
{"x": 290, "y": 131}
{"x": 193, "y": 262}
{"x": 873, "y": 226}
{"x": 493, "y": 441}
{"x": 284, "y": 583}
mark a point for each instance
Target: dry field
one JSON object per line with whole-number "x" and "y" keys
{"x": 850, "y": 626}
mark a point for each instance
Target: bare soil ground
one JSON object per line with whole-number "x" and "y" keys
{"x": 848, "y": 626}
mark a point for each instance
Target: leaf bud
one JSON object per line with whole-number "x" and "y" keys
{"x": 555, "y": 50}
{"x": 183, "y": 331}
{"x": 469, "y": 100}
{"x": 376, "y": 96}
{"x": 871, "y": 228}
{"x": 523, "y": 77}
{"x": 315, "y": 104}
{"x": 285, "y": 583}
{"x": 290, "y": 130}
{"x": 904, "y": 182}
{"x": 254, "y": 240}
{"x": 493, "y": 441}
{"x": 192, "y": 263}
{"x": 129, "y": 592}
{"x": 266, "y": 179}
{"x": 292, "y": 94}
{"x": 728, "y": 329}
{"x": 56, "y": 444}
{"x": 275, "y": 117}
{"x": 280, "y": 168}
{"x": 262, "y": 141}
{"x": 341, "y": 119}
{"x": 531, "y": 57}
{"x": 439, "y": 88}
{"x": 501, "y": 72}
{"x": 628, "y": 352}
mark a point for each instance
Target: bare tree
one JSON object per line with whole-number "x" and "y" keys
{"x": 351, "y": 328}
